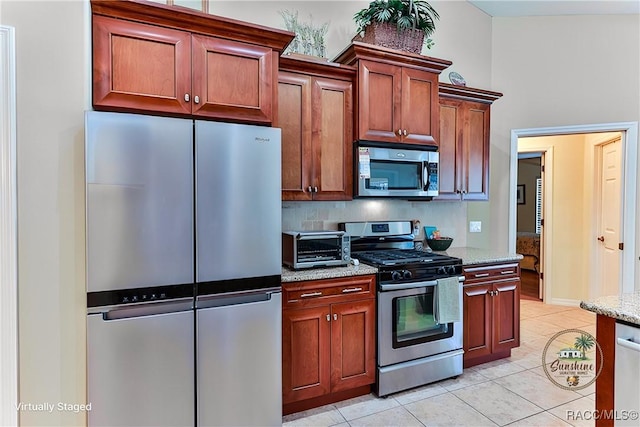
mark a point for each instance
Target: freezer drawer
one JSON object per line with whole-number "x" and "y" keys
{"x": 239, "y": 355}
{"x": 140, "y": 366}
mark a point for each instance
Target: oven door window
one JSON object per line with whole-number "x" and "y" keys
{"x": 393, "y": 175}
{"x": 414, "y": 321}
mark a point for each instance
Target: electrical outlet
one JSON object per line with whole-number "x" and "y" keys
{"x": 475, "y": 226}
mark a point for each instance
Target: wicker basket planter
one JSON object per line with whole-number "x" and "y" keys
{"x": 387, "y": 35}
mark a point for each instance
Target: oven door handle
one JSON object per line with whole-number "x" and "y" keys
{"x": 412, "y": 285}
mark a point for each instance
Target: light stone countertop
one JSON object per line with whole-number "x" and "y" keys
{"x": 289, "y": 275}
{"x": 622, "y": 307}
{"x": 471, "y": 256}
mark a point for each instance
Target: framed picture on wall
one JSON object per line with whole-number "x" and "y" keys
{"x": 520, "y": 194}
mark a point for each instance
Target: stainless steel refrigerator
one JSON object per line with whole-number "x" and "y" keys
{"x": 183, "y": 272}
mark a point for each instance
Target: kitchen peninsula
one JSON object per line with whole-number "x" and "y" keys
{"x": 612, "y": 310}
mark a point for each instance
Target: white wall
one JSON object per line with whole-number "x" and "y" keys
{"x": 52, "y": 88}
{"x": 558, "y": 71}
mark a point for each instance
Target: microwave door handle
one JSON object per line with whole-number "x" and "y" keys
{"x": 425, "y": 176}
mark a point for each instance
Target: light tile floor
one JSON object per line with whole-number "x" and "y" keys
{"x": 513, "y": 391}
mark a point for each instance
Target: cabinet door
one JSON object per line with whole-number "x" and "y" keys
{"x": 294, "y": 118}
{"x": 140, "y": 67}
{"x": 352, "y": 344}
{"x": 477, "y": 306}
{"x": 476, "y": 151}
{"x": 420, "y": 112}
{"x": 506, "y": 315}
{"x": 379, "y": 115}
{"x": 450, "y": 148}
{"x": 332, "y": 136}
{"x": 232, "y": 80}
{"x": 306, "y": 353}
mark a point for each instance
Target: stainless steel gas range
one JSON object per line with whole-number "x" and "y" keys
{"x": 415, "y": 346}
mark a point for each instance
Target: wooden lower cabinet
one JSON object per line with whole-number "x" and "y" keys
{"x": 328, "y": 341}
{"x": 491, "y": 318}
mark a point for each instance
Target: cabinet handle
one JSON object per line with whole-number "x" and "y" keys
{"x": 186, "y": 97}
{"x": 348, "y": 290}
{"x": 328, "y": 318}
{"x": 404, "y": 132}
{"x": 196, "y": 99}
{"x": 312, "y": 294}
{"x": 335, "y": 316}
{"x": 482, "y": 275}
{"x": 507, "y": 272}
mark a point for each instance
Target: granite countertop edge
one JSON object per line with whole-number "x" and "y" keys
{"x": 289, "y": 275}
{"x": 624, "y": 307}
{"x": 471, "y": 256}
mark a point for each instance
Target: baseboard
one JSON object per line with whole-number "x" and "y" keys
{"x": 564, "y": 301}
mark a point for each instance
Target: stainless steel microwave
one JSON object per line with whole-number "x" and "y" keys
{"x": 394, "y": 170}
{"x": 312, "y": 249}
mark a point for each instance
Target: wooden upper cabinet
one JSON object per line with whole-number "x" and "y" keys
{"x": 397, "y": 98}
{"x": 153, "y": 58}
{"x": 139, "y": 66}
{"x": 315, "y": 113}
{"x": 464, "y": 142}
{"x": 232, "y": 80}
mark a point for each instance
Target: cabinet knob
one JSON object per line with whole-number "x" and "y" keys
{"x": 315, "y": 189}
{"x": 335, "y": 316}
{"x": 186, "y": 97}
{"x": 404, "y": 132}
{"x": 328, "y": 318}
{"x": 196, "y": 99}
{"x": 310, "y": 189}
{"x": 399, "y": 132}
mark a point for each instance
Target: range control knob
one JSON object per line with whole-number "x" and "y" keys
{"x": 442, "y": 270}
{"x": 406, "y": 274}
{"x": 396, "y": 275}
{"x": 451, "y": 269}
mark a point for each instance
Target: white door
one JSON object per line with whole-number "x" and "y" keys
{"x": 608, "y": 252}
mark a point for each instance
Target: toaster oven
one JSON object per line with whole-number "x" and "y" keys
{"x": 312, "y": 249}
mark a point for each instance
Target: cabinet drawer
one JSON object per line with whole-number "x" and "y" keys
{"x": 490, "y": 272}
{"x": 326, "y": 291}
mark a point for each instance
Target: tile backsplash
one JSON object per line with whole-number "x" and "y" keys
{"x": 449, "y": 217}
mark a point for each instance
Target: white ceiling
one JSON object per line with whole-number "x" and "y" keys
{"x": 550, "y": 7}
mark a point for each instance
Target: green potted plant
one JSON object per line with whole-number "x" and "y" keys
{"x": 397, "y": 24}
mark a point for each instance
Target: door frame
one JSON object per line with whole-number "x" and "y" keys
{"x": 8, "y": 231}
{"x": 630, "y": 205}
{"x": 546, "y": 153}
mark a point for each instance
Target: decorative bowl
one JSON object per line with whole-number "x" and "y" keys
{"x": 441, "y": 244}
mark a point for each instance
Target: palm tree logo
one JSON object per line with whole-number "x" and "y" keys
{"x": 583, "y": 343}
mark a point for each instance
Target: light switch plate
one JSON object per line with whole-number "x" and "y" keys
{"x": 475, "y": 226}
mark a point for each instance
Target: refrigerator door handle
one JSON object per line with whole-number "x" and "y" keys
{"x": 211, "y": 301}
{"x": 148, "y": 309}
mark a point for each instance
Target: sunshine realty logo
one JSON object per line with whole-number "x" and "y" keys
{"x": 569, "y": 359}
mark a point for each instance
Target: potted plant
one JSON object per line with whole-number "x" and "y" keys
{"x": 397, "y": 24}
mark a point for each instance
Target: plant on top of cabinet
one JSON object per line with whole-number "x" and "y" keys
{"x": 153, "y": 58}
{"x": 397, "y": 24}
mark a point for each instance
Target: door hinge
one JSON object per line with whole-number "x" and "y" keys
{"x": 542, "y": 222}
{"x": 541, "y": 276}
{"x": 621, "y": 246}
{"x": 542, "y": 168}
